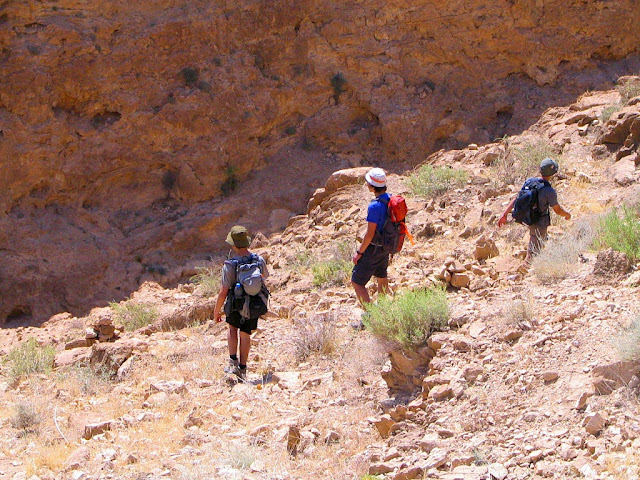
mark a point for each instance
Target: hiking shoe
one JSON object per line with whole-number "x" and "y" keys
{"x": 232, "y": 367}
{"x": 241, "y": 373}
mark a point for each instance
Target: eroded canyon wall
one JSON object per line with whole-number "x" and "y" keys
{"x": 133, "y": 134}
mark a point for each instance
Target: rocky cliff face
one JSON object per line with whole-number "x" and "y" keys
{"x": 133, "y": 133}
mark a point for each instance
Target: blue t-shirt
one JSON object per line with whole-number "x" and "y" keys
{"x": 377, "y": 211}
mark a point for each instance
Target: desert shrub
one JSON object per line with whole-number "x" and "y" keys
{"x": 230, "y": 182}
{"x": 606, "y": 113}
{"x": 629, "y": 90}
{"x": 25, "y": 418}
{"x": 628, "y": 342}
{"x": 331, "y": 272}
{"x": 240, "y": 456}
{"x": 92, "y": 380}
{"x": 409, "y": 317}
{"x": 30, "y": 357}
{"x": 519, "y": 311}
{"x": 336, "y": 269}
{"x": 190, "y": 75}
{"x": 338, "y": 83}
{"x": 530, "y": 155}
{"x": 207, "y": 281}
{"x": 134, "y": 315}
{"x": 620, "y": 229}
{"x": 314, "y": 335}
{"x": 429, "y": 181}
{"x": 558, "y": 257}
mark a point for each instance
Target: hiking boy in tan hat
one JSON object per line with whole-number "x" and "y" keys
{"x": 232, "y": 295}
{"x": 546, "y": 198}
{"x": 370, "y": 259}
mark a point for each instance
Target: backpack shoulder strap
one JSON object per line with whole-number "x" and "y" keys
{"x": 384, "y": 201}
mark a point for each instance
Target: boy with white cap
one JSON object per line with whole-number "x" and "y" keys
{"x": 370, "y": 259}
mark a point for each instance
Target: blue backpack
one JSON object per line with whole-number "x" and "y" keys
{"x": 526, "y": 208}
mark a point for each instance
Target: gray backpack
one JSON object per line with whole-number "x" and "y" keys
{"x": 249, "y": 296}
{"x": 249, "y": 275}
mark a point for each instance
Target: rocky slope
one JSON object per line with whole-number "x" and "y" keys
{"x": 124, "y": 124}
{"x": 523, "y": 384}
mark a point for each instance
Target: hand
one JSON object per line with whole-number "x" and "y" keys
{"x": 218, "y": 317}
{"x": 356, "y": 257}
{"x": 503, "y": 221}
{"x": 567, "y": 216}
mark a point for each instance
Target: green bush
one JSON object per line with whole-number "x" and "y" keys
{"x": 30, "y": 357}
{"x": 607, "y": 112}
{"x": 331, "y": 272}
{"x": 629, "y": 90}
{"x": 628, "y": 342}
{"x": 134, "y": 315}
{"x": 531, "y": 154}
{"x": 620, "y": 230}
{"x": 207, "y": 280}
{"x": 408, "y": 318}
{"x": 429, "y": 181}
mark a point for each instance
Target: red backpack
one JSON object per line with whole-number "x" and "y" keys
{"x": 394, "y": 229}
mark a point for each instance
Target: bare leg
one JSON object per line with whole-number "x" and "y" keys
{"x": 361, "y": 293}
{"x": 245, "y": 345}
{"x": 383, "y": 286}
{"x": 537, "y": 237}
{"x": 232, "y": 340}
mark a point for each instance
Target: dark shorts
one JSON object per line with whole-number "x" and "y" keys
{"x": 243, "y": 324}
{"x": 374, "y": 262}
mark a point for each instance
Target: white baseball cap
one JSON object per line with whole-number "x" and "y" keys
{"x": 376, "y": 177}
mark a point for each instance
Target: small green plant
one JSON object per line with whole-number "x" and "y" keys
{"x": 169, "y": 180}
{"x": 25, "y": 418}
{"x": 315, "y": 335}
{"x": 30, "y": 357}
{"x": 331, "y": 272}
{"x": 531, "y": 154}
{"x": 338, "y": 83}
{"x": 620, "y": 229}
{"x": 230, "y": 182}
{"x": 190, "y": 75}
{"x": 302, "y": 260}
{"x": 372, "y": 477}
{"x": 630, "y": 89}
{"x": 628, "y": 341}
{"x": 207, "y": 280}
{"x": 429, "y": 181}
{"x": 134, "y": 315}
{"x": 605, "y": 115}
{"x": 409, "y": 317}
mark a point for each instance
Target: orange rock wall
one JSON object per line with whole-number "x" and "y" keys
{"x": 124, "y": 123}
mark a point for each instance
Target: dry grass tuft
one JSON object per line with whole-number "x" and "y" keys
{"x": 628, "y": 341}
{"x": 314, "y": 335}
{"x": 557, "y": 260}
{"x": 207, "y": 281}
{"x": 26, "y": 418}
{"x": 520, "y": 312}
